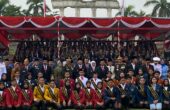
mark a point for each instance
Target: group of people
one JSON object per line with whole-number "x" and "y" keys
{"x": 119, "y": 83}
{"x": 94, "y": 50}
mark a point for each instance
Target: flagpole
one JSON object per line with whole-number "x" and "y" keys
{"x": 123, "y": 8}
{"x": 44, "y": 8}
{"x": 122, "y": 15}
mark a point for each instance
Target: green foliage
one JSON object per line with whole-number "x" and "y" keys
{"x": 161, "y": 8}
{"x": 12, "y": 10}
{"x": 3, "y": 4}
{"x": 35, "y": 8}
{"x": 129, "y": 11}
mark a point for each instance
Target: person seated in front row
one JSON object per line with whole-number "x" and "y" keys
{"x": 141, "y": 93}
{"x": 65, "y": 95}
{"x": 3, "y": 94}
{"x": 112, "y": 96}
{"x": 38, "y": 94}
{"x": 98, "y": 96}
{"x": 52, "y": 96}
{"x": 27, "y": 96}
{"x": 123, "y": 88}
{"x": 89, "y": 94}
{"x": 78, "y": 96}
{"x": 154, "y": 94}
{"x": 166, "y": 94}
{"x": 13, "y": 97}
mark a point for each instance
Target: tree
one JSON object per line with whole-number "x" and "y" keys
{"x": 129, "y": 11}
{"x": 35, "y": 6}
{"x": 3, "y": 4}
{"x": 161, "y": 8}
{"x": 141, "y": 13}
{"x": 12, "y": 10}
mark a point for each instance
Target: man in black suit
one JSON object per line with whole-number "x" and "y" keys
{"x": 79, "y": 66}
{"x": 133, "y": 65}
{"x": 24, "y": 69}
{"x": 35, "y": 68}
{"x": 146, "y": 65}
{"x": 46, "y": 69}
{"x": 87, "y": 70}
{"x": 102, "y": 69}
{"x": 9, "y": 69}
{"x": 18, "y": 79}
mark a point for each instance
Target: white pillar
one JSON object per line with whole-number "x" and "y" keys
{"x": 109, "y": 12}
{"x": 61, "y": 11}
{"x": 77, "y": 12}
{"x": 93, "y": 12}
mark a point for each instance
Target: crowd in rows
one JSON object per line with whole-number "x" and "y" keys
{"x": 89, "y": 81}
{"x": 124, "y": 84}
{"x": 94, "y": 50}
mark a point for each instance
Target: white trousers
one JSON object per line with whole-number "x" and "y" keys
{"x": 157, "y": 106}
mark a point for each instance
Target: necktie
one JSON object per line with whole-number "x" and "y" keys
{"x": 81, "y": 77}
{"x": 102, "y": 68}
{"x": 45, "y": 67}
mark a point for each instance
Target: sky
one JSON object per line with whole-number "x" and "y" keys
{"x": 138, "y": 4}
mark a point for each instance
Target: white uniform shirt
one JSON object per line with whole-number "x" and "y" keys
{"x": 96, "y": 81}
{"x": 83, "y": 80}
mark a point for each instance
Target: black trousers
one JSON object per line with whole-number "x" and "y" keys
{"x": 89, "y": 107}
{"x": 53, "y": 106}
{"x": 110, "y": 104}
{"x": 125, "y": 102}
{"x": 2, "y": 108}
{"x": 40, "y": 105}
{"x": 26, "y": 107}
{"x": 166, "y": 107}
{"x": 66, "y": 107}
{"x": 143, "y": 105}
{"x": 78, "y": 107}
{"x": 98, "y": 107}
{"x": 14, "y": 108}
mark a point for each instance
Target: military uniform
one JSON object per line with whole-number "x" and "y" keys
{"x": 119, "y": 66}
